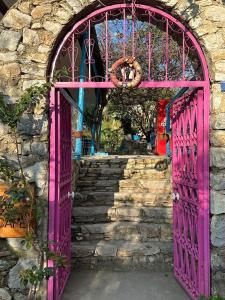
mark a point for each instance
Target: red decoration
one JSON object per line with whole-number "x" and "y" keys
{"x": 161, "y": 137}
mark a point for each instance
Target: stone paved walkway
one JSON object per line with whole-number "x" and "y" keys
{"x": 107, "y": 285}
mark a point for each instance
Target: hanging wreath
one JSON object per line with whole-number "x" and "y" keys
{"x": 133, "y": 64}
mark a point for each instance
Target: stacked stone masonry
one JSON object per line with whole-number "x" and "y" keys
{"x": 122, "y": 214}
{"x": 28, "y": 33}
{"x": 9, "y": 288}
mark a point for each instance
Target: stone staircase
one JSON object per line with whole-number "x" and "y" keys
{"x": 122, "y": 214}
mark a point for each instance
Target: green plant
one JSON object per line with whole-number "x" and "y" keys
{"x": 21, "y": 191}
{"x": 11, "y": 114}
{"x": 16, "y": 206}
{"x": 111, "y": 133}
{"x": 36, "y": 274}
{"x": 136, "y": 109}
{"x": 212, "y": 298}
{"x": 111, "y": 139}
{"x": 7, "y": 171}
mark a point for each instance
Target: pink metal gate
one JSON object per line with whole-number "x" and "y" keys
{"x": 109, "y": 33}
{"x": 60, "y": 189}
{"x": 190, "y": 194}
{"x": 168, "y": 53}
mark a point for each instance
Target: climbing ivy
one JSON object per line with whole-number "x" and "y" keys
{"x": 7, "y": 172}
{"x": 10, "y": 115}
{"x": 36, "y": 274}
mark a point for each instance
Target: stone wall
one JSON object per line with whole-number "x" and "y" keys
{"x": 9, "y": 274}
{"x": 28, "y": 33}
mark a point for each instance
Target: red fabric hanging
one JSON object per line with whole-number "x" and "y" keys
{"x": 161, "y": 127}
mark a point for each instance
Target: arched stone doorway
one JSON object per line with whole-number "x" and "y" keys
{"x": 28, "y": 59}
{"x": 190, "y": 150}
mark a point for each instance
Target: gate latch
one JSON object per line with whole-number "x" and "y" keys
{"x": 176, "y": 197}
{"x": 71, "y": 195}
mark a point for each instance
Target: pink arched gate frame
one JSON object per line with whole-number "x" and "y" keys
{"x": 190, "y": 130}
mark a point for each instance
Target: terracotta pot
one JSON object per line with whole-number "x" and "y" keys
{"x": 18, "y": 228}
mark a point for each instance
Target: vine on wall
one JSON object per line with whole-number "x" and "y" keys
{"x": 20, "y": 190}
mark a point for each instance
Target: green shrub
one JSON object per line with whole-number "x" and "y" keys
{"x": 212, "y": 298}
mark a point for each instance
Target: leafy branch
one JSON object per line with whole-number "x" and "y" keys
{"x": 7, "y": 171}
{"x": 37, "y": 274}
{"x": 10, "y": 115}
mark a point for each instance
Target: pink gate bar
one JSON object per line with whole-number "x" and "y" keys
{"x": 146, "y": 84}
{"x": 187, "y": 45}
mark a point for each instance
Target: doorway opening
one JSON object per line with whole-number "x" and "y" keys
{"x": 170, "y": 103}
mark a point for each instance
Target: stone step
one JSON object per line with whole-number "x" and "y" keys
{"x": 88, "y": 174}
{"x": 145, "y": 185}
{"x": 89, "y": 171}
{"x": 122, "y": 255}
{"x": 100, "y": 214}
{"x": 100, "y": 183}
{"x": 138, "y": 185}
{"x": 111, "y": 185}
{"x": 98, "y": 186}
{"x": 124, "y": 231}
{"x": 128, "y": 162}
{"x": 143, "y": 199}
{"x": 146, "y": 173}
{"x": 122, "y": 199}
{"x": 98, "y": 176}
